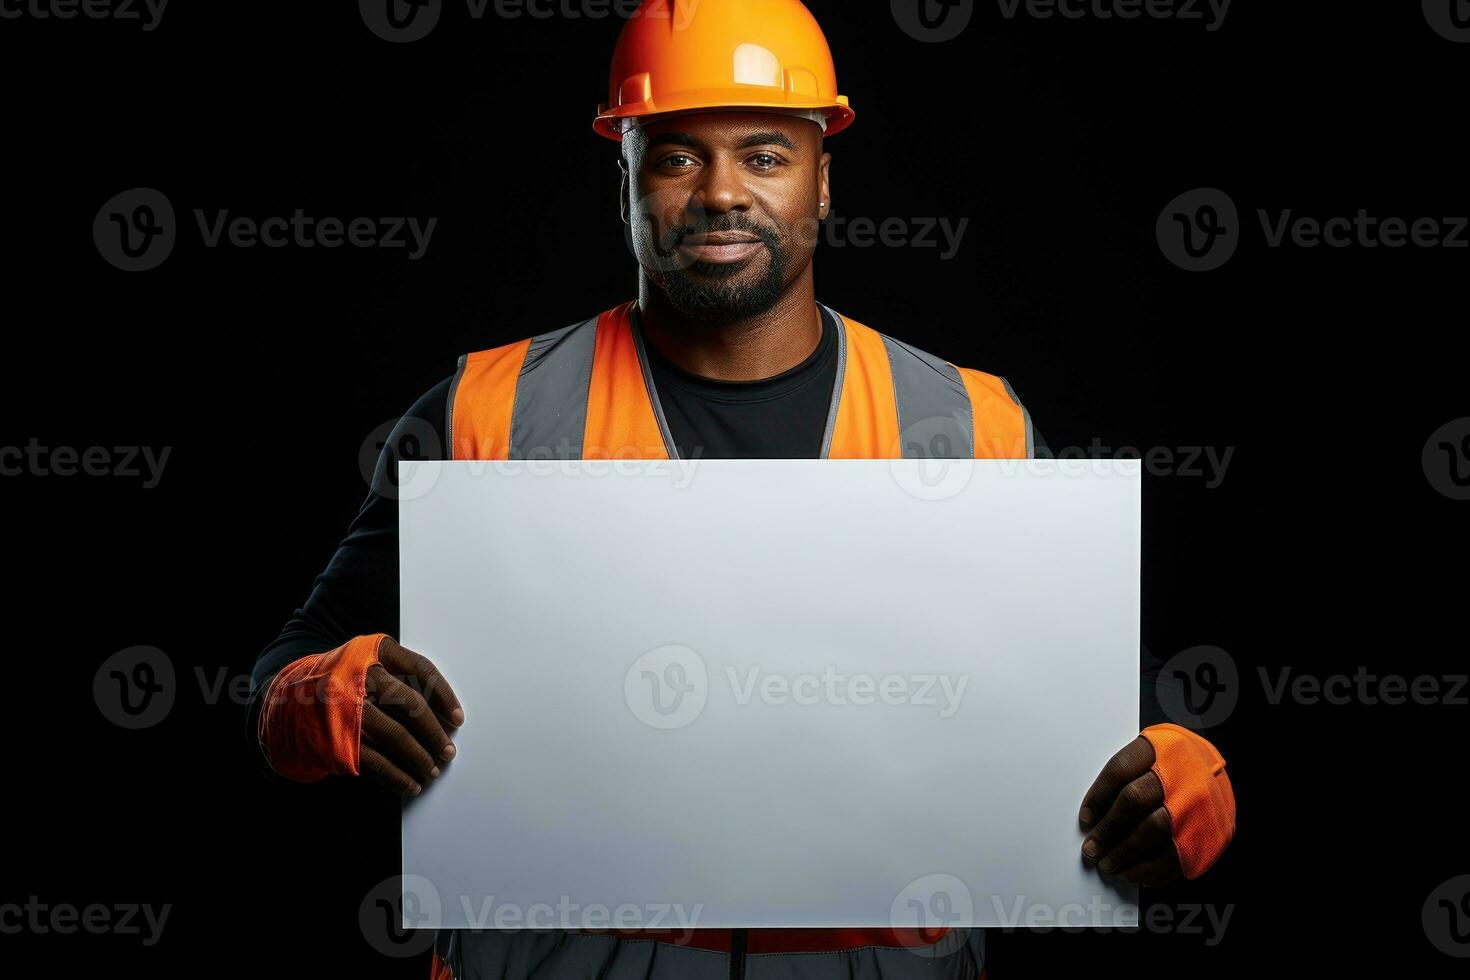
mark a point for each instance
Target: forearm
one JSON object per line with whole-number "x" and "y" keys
{"x": 356, "y": 594}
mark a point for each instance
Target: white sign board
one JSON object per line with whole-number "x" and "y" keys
{"x": 770, "y": 693}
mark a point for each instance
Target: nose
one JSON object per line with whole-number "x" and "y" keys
{"x": 722, "y": 188}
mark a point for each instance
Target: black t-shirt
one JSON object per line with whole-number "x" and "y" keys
{"x": 782, "y": 417}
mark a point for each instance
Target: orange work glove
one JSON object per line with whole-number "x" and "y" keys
{"x": 1197, "y": 794}
{"x": 311, "y": 715}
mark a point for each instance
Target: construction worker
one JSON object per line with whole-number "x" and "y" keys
{"x": 721, "y": 108}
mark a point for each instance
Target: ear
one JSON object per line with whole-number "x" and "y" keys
{"x": 824, "y": 186}
{"x": 623, "y": 189}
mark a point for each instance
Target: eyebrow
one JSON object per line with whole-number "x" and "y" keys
{"x": 754, "y": 139}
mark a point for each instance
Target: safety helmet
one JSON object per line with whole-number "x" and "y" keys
{"x": 677, "y": 56}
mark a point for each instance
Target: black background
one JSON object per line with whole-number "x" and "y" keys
{"x": 265, "y": 370}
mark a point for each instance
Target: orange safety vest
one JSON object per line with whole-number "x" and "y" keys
{"x": 585, "y": 392}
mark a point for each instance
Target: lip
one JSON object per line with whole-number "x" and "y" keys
{"x": 722, "y": 247}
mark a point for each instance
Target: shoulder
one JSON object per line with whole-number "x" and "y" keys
{"x": 532, "y": 346}
{"x": 904, "y": 357}
{"x": 993, "y": 404}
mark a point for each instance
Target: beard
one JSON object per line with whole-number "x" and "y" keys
{"x": 721, "y": 293}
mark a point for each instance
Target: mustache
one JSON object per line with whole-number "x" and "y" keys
{"x": 721, "y": 222}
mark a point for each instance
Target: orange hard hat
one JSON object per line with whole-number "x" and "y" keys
{"x": 682, "y": 55}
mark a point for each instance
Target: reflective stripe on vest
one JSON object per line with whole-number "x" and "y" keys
{"x": 585, "y": 392}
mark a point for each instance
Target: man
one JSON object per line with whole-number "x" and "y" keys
{"x": 721, "y": 108}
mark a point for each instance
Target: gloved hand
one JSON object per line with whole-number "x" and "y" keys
{"x": 1162, "y": 809}
{"x": 345, "y": 712}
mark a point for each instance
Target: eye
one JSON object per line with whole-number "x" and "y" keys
{"x": 677, "y": 161}
{"x": 765, "y": 161}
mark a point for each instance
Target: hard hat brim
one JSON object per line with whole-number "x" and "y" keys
{"x": 612, "y": 123}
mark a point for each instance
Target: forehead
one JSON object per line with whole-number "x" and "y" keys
{"x": 717, "y": 129}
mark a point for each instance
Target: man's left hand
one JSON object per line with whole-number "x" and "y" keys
{"x": 1131, "y": 832}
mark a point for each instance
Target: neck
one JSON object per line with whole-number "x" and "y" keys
{"x": 762, "y": 346}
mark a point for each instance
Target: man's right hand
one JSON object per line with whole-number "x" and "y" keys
{"x": 408, "y": 712}
{"x": 370, "y": 707}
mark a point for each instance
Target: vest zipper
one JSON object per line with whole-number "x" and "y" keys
{"x": 737, "y": 954}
